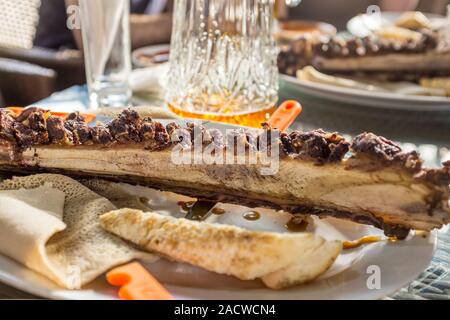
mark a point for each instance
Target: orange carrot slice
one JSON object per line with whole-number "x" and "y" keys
{"x": 285, "y": 115}
{"x": 137, "y": 283}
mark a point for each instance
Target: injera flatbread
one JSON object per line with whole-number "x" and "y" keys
{"x": 73, "y": 251}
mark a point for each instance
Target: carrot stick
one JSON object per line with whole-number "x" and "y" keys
{"x": 137, "y": 283}
{"x": 285, "y": 115}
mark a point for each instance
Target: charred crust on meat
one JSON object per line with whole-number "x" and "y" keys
{"x": 376, "y": 146}
{"x": 126, "y": 127}
{"x": 36, "y": 121}
{"x": 172, "y": 128}
{"x": 25, "y": 137}
{"x": 30, "y": 128}
{"x": 80, "y": 132}
{"x": 6, "y": 125}
{"x": 147, "y": 129}
{"x": 368, "y": 146}
{"x": 318, "y": 145}
{"x": 162, "y": 138}
{"x": 57, "y": 132}
{"x": 438, "y": 176}
{"x": 101, "y": 135}
{"x": 56, "y": 129}
{"x": 199, "y": 134}
{"x": 26, "y": 113}
{"x": 390, "y": 230}
{"x": 396, "y": 231}
{"x": 76, "y": 116}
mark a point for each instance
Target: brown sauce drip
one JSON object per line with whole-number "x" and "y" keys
{"x": 365, "y": 240}
{"x": 198, "y": 210}
{"x": 252, "y": 216}
{"x": 423, "y": 234}
{"x": 144, "y": 200}
{"x": 297, "y": 226}
{"x": 186, "y": 206}
{"x": 218, "y": 211}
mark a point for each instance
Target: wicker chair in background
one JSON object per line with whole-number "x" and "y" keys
{"x": 28, "y": 73}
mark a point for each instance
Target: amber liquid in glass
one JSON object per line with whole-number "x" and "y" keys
{"x": 223, "y": 61}
{"x": 249, "y": 119}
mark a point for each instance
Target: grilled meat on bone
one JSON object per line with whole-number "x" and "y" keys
{"x": 369, "y": 180}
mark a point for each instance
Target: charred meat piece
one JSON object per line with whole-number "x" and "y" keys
{"x": 6, "y": 125}
{"x": 147, "y": 129}
{"x": 78, "y": 128}
{"x": 382, "y": 150}
{"x": 101, "y": 135}
{"x": 82, "y": 133}
{"x": 57, "y": 132}
{"x": 75, "y": 116}
{"x": 162, "y": 137}
{"x": 126, "y": 127}
{"x": 30, "y": 128}
{"x": 319, "y": 145}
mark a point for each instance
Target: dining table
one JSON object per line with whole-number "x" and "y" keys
{"x": 427, "y": 132}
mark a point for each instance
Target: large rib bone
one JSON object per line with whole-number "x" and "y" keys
{"x": 376, "y": 183}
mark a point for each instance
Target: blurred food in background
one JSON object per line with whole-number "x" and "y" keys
{"x": 409, "y": 50}
{"x": 291, "y": 30}
{"x": 151, "y": 56}
{"x": 40, "y": 55}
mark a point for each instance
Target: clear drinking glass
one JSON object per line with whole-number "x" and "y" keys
{"x": 106, "y": 42}
{"x": 223, "y": 60}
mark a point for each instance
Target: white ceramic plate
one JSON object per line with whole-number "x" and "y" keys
{"x": 364, "y": 24}
{"x": 368, "y": 98}
{"x": 399, "y": 263}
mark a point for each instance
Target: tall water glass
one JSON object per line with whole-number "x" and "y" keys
{"x": 106, "y": 42}
{"x": 223, "y": 60}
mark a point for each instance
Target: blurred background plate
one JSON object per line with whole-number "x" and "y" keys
{"x": 150, "y": 56}
{"x": 291, "y": 30}
{"x": 366, "y": 98}
{"x": 365, "y": 24}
